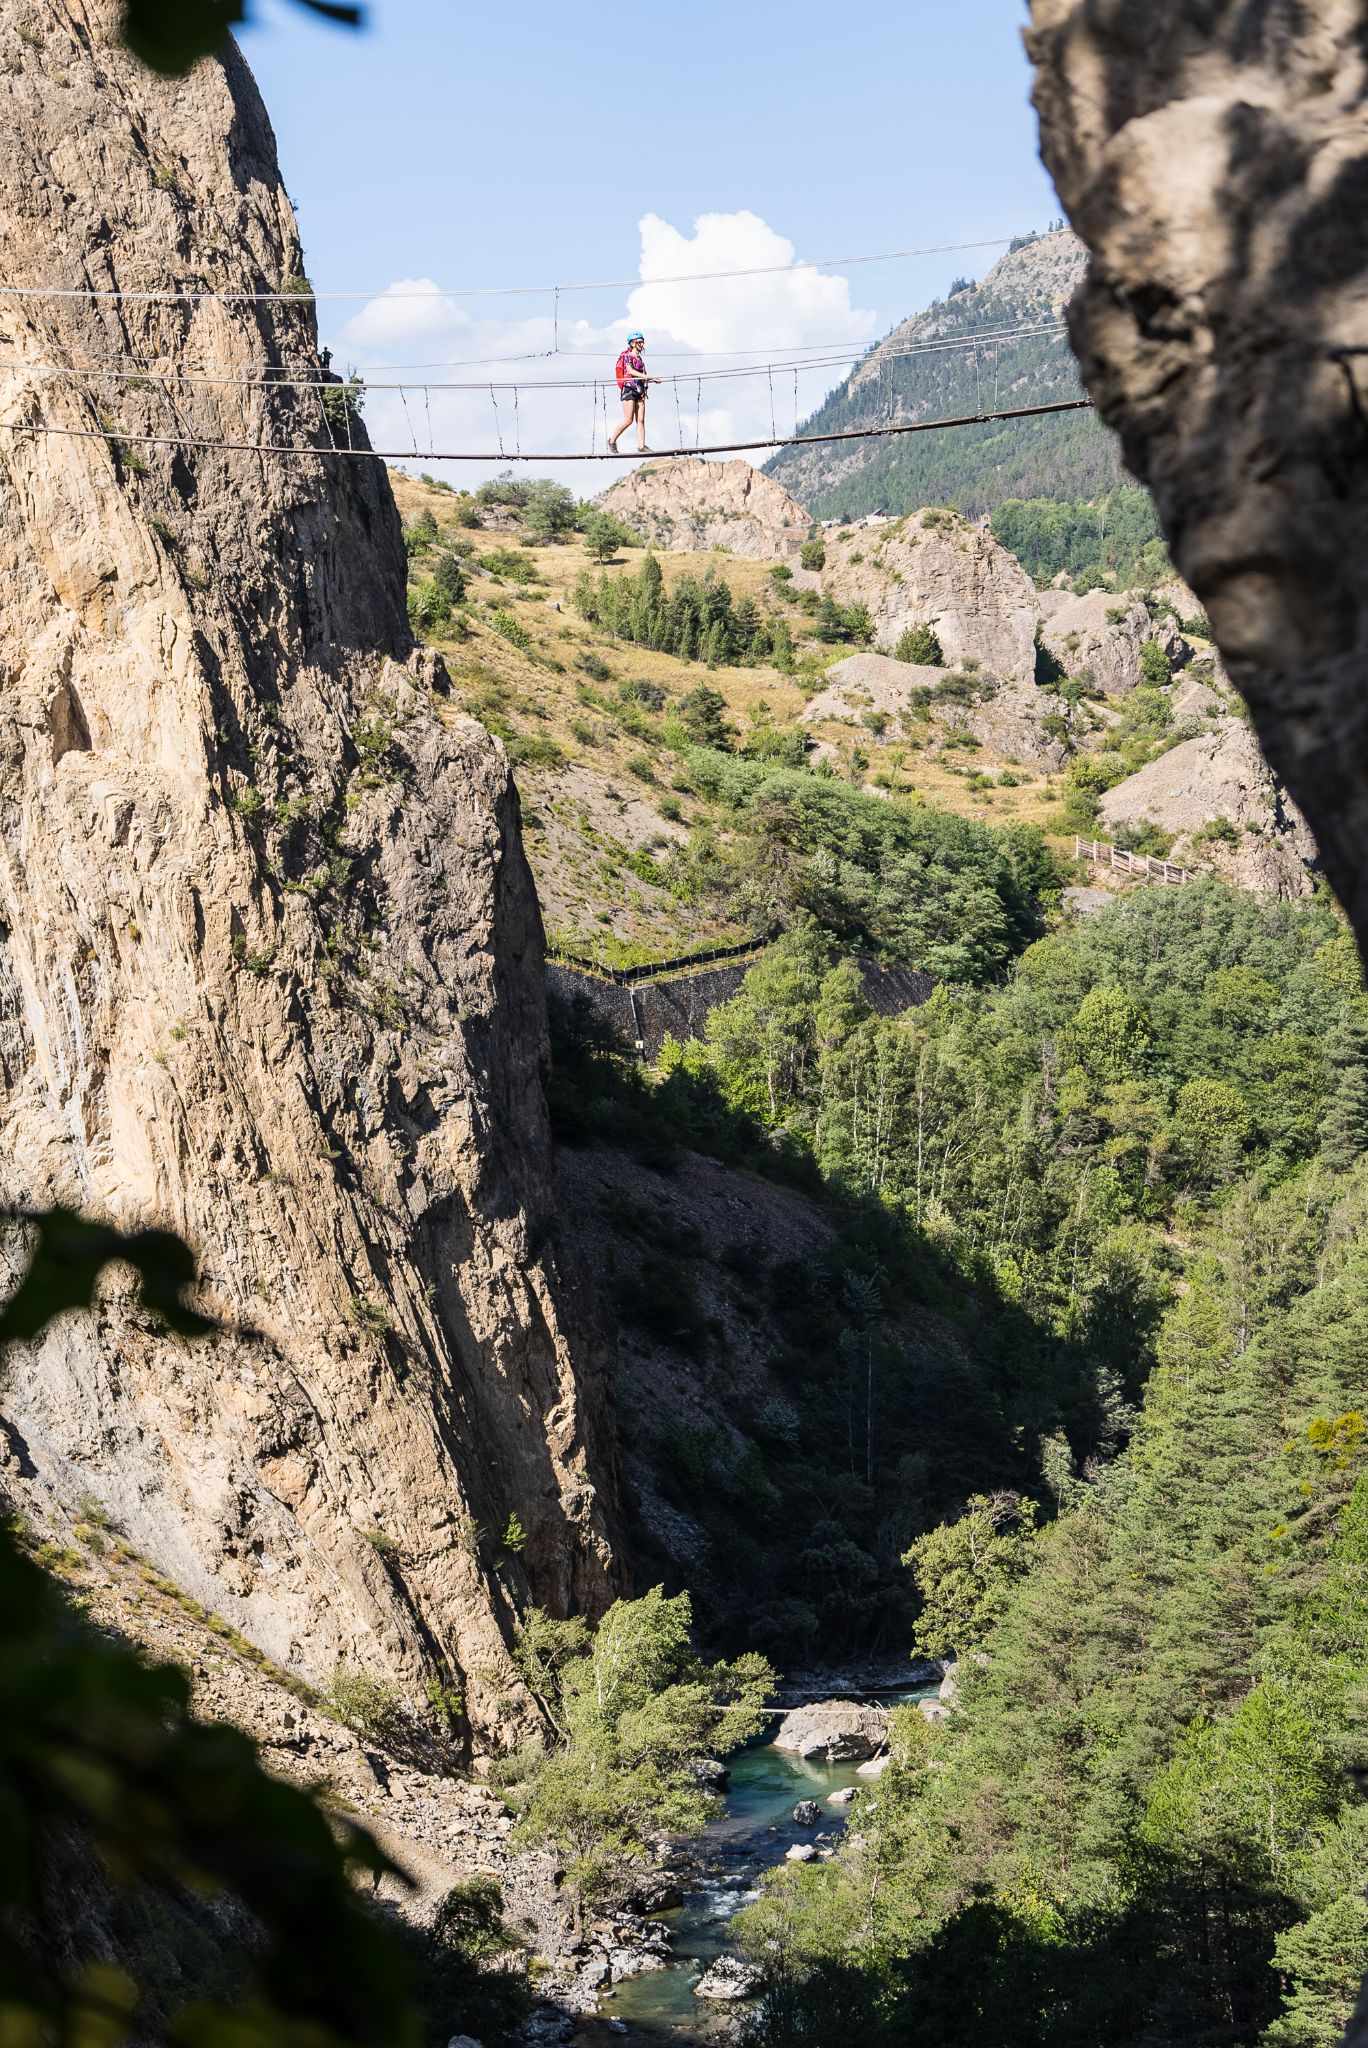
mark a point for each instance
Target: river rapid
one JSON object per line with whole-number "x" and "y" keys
{"x": 751, "y": 1835}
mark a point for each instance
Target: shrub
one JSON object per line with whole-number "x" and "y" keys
{"x": 370, "y": 1707}
{"x": 920, "y": 644}
{"x": 1155, "y": 666}
{"x": 532, "y": 751}
{"x": 510, "y": 629}
{"x": 813, "y": 554}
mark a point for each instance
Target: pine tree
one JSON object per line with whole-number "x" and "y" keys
{"x": 715, "y": 650}
{"x": 1344, "y": 1126}
{"x": 745, "y": 625}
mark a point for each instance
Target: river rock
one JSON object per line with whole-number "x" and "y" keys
{"x": 801, "y": 1852}
{"x": 464, "y": 2041}
{"x": 876, "y": 1766}
{"x": 949, "y": 1684}
{"x": 836, "y": 1731}
{"x": 843, "y": 1797}
{"x": 933, "y": 1710}
{"x": 656, "y": 1892}
{"x": 729, "y": 1977}
{"x": 710, "y": 1774}
{"x": 807, "y": 1813}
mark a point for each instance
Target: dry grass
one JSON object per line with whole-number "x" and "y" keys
{"x": 598, "y": 803}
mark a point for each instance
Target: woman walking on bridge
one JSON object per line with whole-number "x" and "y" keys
{"x": 631, "y": 382}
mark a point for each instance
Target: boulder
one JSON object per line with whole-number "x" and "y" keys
{"x": 801, "y": 1852}
{"x": 869, "y": 682}
{"x": 807, "y": 1813}
{"x": 842, "y": 1797}
{"x": 728, "y": 1978}
{"x": 835, "y": 1731}
{"x": 933, "y": 1710}
{"x": 710, "y": 1774}
{"x": 1008, "y": 722}
{"x": 875, "y": 1767}
{"x": 949, "y": 1684}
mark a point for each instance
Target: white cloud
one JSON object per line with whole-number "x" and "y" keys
{"x": 694, "y": 329}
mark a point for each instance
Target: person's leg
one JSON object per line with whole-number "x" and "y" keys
{"x": 628, "y": 415}
{"x": 641, "y": 424}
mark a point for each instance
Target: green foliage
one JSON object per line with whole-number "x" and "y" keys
{"x": 1155, "y": 666}
{"x": 634, "y": 1706}
{"x": 920, "y": 644}
{"x": 1141, "y": 1829}
{"x": 965, "y": 1571}
{"x": 604, "y": 535}
{"x": 1050, "y": 535}
{"x": 812, "y": 555}
{"x": 371, "y": 1707}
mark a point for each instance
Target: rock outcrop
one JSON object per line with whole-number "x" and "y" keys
{"x": 1009, "y": 720}
{"x": 1220, "y": 775}
{"x": 270, "y": 956}
{"x": 934, "y": 568}
{"x": 1101, "y": 636}
{"x": 833, "y": 1731}
{"x": 1214, "y": 161}
{"x": 697, "y": 504}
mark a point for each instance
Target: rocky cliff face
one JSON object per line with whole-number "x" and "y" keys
{"x": 690, "y": 505}
{"x": 270, "y": 955}
{"x": 1214, "y": 161}
{"x": 936, "y": 569}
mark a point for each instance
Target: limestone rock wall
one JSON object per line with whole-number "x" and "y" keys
{"x": 270, "y": 956}
{"x": 935, "y": 568}
{"x": 697, "y": 504}
{"x": 1214, "y": 160}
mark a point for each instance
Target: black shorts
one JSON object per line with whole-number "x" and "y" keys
{"x": 630, "y": 393}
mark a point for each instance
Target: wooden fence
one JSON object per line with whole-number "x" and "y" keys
{"x": 1099, "y": 854}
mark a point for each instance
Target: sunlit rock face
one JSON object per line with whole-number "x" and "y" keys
{"x": 270, "y": 955}
{"x": 1214, "y": 160}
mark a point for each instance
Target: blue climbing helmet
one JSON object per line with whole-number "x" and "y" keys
{"x": 636, "y": 337}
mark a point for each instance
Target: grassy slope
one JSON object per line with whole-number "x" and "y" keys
{"x": 600, "y": 799}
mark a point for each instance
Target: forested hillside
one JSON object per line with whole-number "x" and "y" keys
{"x": 1138, "y": 1823}
{"x": 985, "y": 347}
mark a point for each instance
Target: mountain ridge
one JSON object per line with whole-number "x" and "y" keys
{"x": 994, "y": 344}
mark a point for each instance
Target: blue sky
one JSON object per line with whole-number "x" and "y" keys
{"x": 490, "y": 146}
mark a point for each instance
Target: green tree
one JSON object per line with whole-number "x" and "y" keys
{"x": 1155, "y": 666}
{"x": 702, "y": 713}
{"x": 603, "y": 536}
{"x": 1344, "y": 1125}
{"x": 449, "y": 577}
{"x": 764, "y": 1036}
{"x": 920, "y": 644}
{"x": 965, "y": 1571}
{"x": 1322, "y": 1963}
{"x": 812, "y": 555}
{"x": 636, "y": 1708}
